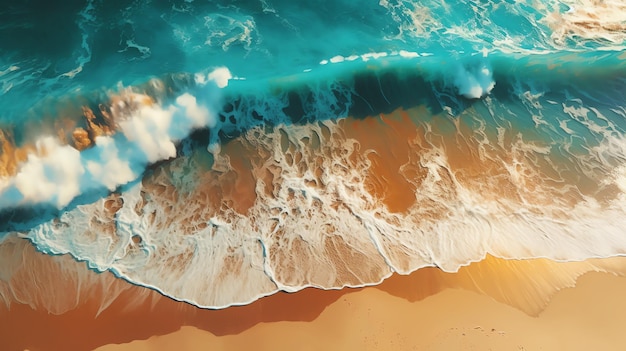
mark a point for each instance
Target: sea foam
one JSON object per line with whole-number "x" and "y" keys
{"x": 56, "y": 173}
{"x": 300, "y": 202}
{"x": 290, "y": 194}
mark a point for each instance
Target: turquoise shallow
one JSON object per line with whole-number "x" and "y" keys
{"x": 52, "y": 50}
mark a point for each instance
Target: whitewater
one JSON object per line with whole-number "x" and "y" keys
{"x": 218, "y": 153}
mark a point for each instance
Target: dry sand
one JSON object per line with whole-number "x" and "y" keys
{"x": 591, "y": 316}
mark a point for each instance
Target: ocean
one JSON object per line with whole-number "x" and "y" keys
{"x": 221, "y": 151}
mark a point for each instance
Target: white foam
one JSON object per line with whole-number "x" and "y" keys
{"x": 413, "y": 20}
{"x": 408, "y": 54}
{"x": 57, "y": 173}
{"x": 373, "y": 55}
{"x": 148, "y": 129}
{"x": 199, "y": 115}
{"x": 225, "y": 31}
{"x": 220, "y": 76}
{"x": 144, "y": 50}
{"x": 474, "y": 82}
{"x": 319, "y": 226}
{"x": 52, "y": 178}
{"x": 368, "y": 56}
{"x": 110, "y": 170}
{"x": 337, "y": 59}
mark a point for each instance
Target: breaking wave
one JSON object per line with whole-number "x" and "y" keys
{"x": 316, "y": 167}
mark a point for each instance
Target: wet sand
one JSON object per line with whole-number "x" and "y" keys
{"x": 590, "y": 316}
{"x": 428, "y": 309}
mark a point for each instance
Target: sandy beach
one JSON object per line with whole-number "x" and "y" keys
{"x": 495, "y": 303}
{"x": 590, "y": 316}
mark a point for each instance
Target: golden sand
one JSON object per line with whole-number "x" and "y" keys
{"x": 488, "y": 304}
{"x": 590, "y": 316}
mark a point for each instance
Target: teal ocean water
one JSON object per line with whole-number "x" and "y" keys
{"x": 220, "y": 151}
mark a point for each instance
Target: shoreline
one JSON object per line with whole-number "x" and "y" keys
{"x": 450, "y": 319}
{"x": 139, "y": 319}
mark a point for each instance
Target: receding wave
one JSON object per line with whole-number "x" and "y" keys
{"x": 224, "y": 189}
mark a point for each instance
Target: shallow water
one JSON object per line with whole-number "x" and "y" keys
{"x": 218, "y": 153}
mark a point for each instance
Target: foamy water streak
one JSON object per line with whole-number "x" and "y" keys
{"x": 489, "y": 157}
{"x": 294, "y": 206}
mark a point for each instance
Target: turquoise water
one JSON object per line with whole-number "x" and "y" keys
{"x": 80, "y": 47}
{"x": 540, "y": 85}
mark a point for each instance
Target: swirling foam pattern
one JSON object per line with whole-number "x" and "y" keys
{"x": 220, "y": 152}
